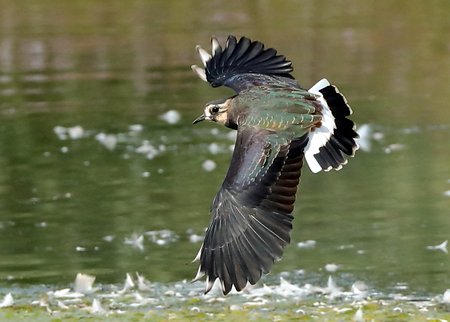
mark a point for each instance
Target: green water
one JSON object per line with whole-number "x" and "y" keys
{"x": 69, "y": 205}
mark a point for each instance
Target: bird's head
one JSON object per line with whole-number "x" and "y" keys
{"x": 216, "y": 111}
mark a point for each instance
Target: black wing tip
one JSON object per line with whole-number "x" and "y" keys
{"x": 336, "y": 101}
{"x": 242, "y": 56}
{"x": 243, "y": 260}
{"x": 343, "y": 140}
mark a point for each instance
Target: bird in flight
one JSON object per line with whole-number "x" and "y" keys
{"x": 278, "y": 125}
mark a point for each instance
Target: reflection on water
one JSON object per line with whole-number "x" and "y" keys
{"x": 94, "y": 180}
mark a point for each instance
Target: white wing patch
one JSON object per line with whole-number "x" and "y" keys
{"x": 320, "y": 136}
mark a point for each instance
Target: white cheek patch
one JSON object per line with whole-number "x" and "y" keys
{"x": 207, "y": 112}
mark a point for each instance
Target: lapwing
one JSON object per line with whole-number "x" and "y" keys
{"x": 278, "y": 124}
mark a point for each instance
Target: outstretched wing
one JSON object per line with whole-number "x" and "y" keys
{"x": 242, "y": 64}
{"x": 251, "y": 214}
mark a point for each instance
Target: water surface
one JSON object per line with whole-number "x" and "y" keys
{"x": 88, "y": 165}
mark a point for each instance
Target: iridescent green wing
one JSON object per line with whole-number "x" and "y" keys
{"x": 280, "y": 109}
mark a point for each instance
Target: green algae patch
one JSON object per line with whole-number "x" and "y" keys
{"x": 310, "y": 310}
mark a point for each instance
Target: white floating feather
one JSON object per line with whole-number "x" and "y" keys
{"x": 307, "y": 244}
{"x": 359, "y": 288}
{"x": 66, "y": 293}
{"x": 61, "y": 132}
{"x": 287, "y": 289}
{"x": 8, "y": 300}
{"x": 331, "y": 286}
{"x": 97, "y": 307}
{"x": 214, "y": 148}
{"x": 194, "y": 238}
{"x": 60, "y": 304}
{"x": 332, "y": 289}
{"x": 135, "y": 128}
{"x": 208, "y": 165}
{"x": 75, "y": 132}
{"x": 128, "y": 285}
{"x": 171, "y": 117}
{"x": 107, "y": 140}
{"x": 359, "y": 316}
{"x": 365, "y": 137}
{"x": 136, "y": 241}
{"x": 142, "y": 283}
{"x": 332, "y": 267}
{"x": 446, "y": 296}
{"x": 83, "y": 284}
{"x": 441, "y": 247}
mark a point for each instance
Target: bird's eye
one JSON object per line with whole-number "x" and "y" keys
{"x": 214, "y": 109}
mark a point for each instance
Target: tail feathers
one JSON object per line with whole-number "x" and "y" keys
{"x": 331, "y": 143}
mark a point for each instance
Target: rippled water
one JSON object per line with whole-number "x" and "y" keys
{"x": 95, "y": 179}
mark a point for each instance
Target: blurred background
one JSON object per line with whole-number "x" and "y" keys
{"x": 101, "y": 171}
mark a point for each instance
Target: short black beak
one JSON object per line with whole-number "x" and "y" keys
{"x": 199, "y": 119}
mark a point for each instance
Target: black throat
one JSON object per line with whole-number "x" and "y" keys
{"x": 231, "y": 124}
